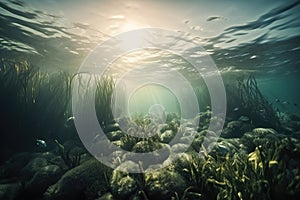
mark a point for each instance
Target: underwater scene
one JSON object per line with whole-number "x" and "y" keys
{"x": 141, "y": 100}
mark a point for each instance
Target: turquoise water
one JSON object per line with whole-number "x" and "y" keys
{"x": 244, "y": 38}
{"x": 151, "y": 95}
{"x": 228, "y": 109}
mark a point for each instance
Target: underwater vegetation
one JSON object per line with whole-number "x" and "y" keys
{"x": 30, "y": 100}
{"x": 254, "y": 158}
{"x": 245, "y": 99}
{"x": 104, "y": 92}
{"x": 36, "y": 104}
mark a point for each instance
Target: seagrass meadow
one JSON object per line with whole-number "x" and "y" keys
{"x": 245, "y": 147}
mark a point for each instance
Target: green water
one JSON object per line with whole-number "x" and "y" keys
{"x": 145, "y": 97}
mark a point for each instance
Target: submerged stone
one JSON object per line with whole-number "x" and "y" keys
{"x": 42, "y": 179}
{"x": 115, "y": 135}
{"x": 10, "y": 191}
{"x": 122, "y": 184}
{"x": 111, "y": 128}
{"x": 72, "y": 184}
{"x": 167, "y": 136}
{"x": 235, "y": 129}
{"x": 33, "y": 166}
{"x": 14, "y": 165}
{"x": 163, "y": 184}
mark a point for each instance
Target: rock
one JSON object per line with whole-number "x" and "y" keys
{"x": 296, "y": 135}
{"x": 115, "y": 135}
{"x": 128, "y": 142}
{"x": 226, "y": 146}
{"x": 47, "y": 155}
{"x": 153, "y": 158}
{"x": 258, "y": 137}
{"x": 294, "y": 125}
{"x": 13, "y": 166}
{"x": 57, "y": 160}
{"x": 294, "y": 117}
{"x": 167, "y": 136}
{"x": 10, "y": 191}
{"x": 235, "y": 129}
{"x": 179, "y": 148}
{"x": 106, "y": 196}
{"x": 186, "y": 140}
{"x": 146, "y": 146}
{"x": 33, "y": 166}
{"x": 184, "y": 162}
{"x": 208, "y": 134}
{"x": 118, "y": 143}
{"x": 163, "y": 184}
{"x": 85, "y": 157}
{"x": 102, "y": 148}
{"x": 203, "y": 119}
{"x": 73, "y": 184}
{"x": 128, "y": 165}
{"x": 115, "y": 158}
{"x": 42, "y": 179}
{"x": 122, "y": 184}
{"x": 170, "y": 126}
{"x": 111, "y": 128}
{"x": 196, "y": 144}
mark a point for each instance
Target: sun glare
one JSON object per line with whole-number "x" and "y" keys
{"x": 128, "y": 26}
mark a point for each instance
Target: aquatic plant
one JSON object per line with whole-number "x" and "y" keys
{"x": 104, "y": 91}
{"x": 70, "y": 160}
{"x": 38, "y": 103}
{"x": 268, "y": 172}
{"x": 255, "y": 104}
{"x": 189, "y": 167}
{"x": 32, "y": 101}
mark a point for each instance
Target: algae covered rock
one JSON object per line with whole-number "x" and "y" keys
{"x": 146, "y": 146}
{"x": 14, "y": 165}
{"x": 124, "y": 187}
{"x": 154, "y": 157}
{"x": 122, "y": 184}
{"x": 106, "y": 196}
{"x": 111, "y": 127}
{"x": 235, "y": 129}
{"x": 257, "y": 137}
{"x": 115, "y": 135}
{"x": 294, "y": 117}
{"x": 10, "y": 191}
{"x": 33, "y": 166}
{"x": 186, "y": 165}
{"x": 42, "y": 179}
{"x": 167, "y": 136}
{"x": 73, "y": 184}
{"x": 163, "y": 184}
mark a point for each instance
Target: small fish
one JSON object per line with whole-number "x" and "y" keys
{"x": 286, "y": 102}
{"x": 277, "y": 100}
{"x": 244, "y": 118}
{"x": 213, "y": 18}
{"x": 295, "y": 104}
{"x": 222, "y": 148}
{"x": 41, "y": 143}
{"x": 69, "y": 122}
{"x": 236, "y": 109}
